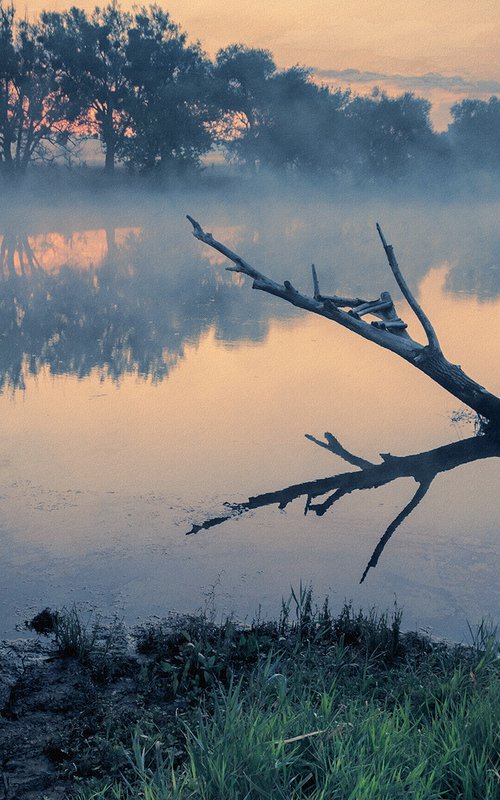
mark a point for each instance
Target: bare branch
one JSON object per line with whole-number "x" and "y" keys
{"x": 422, "y": 467}
{"x": 388, "y": 331}
{"x": 412, "y": 302}
{"x": 207, "y": 238}
{"x": 322, "y": 508}
{"x": 328, "y": 307}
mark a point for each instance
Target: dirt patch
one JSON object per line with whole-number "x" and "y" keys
{"x": 51, "y": 710}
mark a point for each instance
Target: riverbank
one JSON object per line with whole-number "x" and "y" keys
{"x": 309, "y": 706}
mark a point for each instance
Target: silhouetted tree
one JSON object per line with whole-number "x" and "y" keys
{"x": 280, "y": 119}
{"x": 474, "y": 133}
{"x": 169, "y": 109}
{"x": 243, "y": 77}
{"x": 304, "y": 126}
{"x": 90, "y": 53}
{"x": 33, "y": 108}
{"x": 157, "y": 103}
{"x": 390, "y": 136}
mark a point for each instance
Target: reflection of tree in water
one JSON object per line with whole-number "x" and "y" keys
{"x": 17, "y": 256}
{"x": 321, "y": 495}
{"x": 477, "y": 271}
{"x": 133, "y": 314}
{"x": 138, "y": 309}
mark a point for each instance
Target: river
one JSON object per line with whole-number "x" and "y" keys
{"x": 142, "y": 386}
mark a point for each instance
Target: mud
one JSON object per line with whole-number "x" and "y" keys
{"x": 51, "y": 708}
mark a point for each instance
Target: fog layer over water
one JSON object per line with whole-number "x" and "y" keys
{"x": 143, "y": 386}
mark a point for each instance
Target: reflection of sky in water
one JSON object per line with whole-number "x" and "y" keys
{"x": 100, "y": 478}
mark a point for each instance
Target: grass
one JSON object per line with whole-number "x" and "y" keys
{"x": 314, "y": 705}
{"x": 95, "y": 645}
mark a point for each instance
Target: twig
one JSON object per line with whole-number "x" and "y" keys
{"x": 412, "y": 302}
{"x": 315, "y": 282}
{"x": 207, "y": 238}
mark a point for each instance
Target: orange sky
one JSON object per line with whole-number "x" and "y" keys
{"x": 412, "y": 37}
{"x": 449, "y": 37}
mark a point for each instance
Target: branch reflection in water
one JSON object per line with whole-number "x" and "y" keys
{"x": 422, "y": 467}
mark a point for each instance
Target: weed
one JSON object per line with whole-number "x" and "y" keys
{"x": 312, "y": 706}
{"x": 74, "y": 638}
{"x": 44, "y": 622}
{"x": 98, "y": 647}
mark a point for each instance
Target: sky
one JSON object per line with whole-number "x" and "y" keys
{"x": 443, "y": 49}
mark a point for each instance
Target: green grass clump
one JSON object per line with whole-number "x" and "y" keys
{"x": 97, "y": 646}
{"x": 312, "y": 706}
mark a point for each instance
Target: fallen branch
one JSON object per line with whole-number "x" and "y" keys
{"x": 412, "y": 302}
{"x": 387, "y": 330}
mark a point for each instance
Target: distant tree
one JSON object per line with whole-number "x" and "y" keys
{"x": 474, "y": 134}
{"x": 33, "y": 107}
{"x": 243, "y": 82}
{"x": 169, "y": 106}
{"x": 90, "y": 54}
{"x": 304, "y": 126}
{"x": 277, "y": 118}
{"x": 390, "y": 136}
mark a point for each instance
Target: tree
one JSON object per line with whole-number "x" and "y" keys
{"x": 387, "y": 330}
{"x": 474, "y": 133}
{"x": 33, "y": 107}
{"x": 242, "y": 79}
{"x": 390, "y": 136}
{"x": 278, "y": 118}
{"x": 304, "y": 125}
{"x": 169, "y": 104}
{"x": 90, "y": 54}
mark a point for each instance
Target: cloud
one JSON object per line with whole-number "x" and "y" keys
{"x": 430, "y": 80}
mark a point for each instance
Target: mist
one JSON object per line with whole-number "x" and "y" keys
{"x": 131, "y": 286}
{"x": 178, "y": 449}
{"x": 136, "y": 372}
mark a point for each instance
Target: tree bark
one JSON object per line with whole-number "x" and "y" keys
{"x": 109, "y": 160}
{"x": 387, "y": 331}
{"x": 109, "y": 140}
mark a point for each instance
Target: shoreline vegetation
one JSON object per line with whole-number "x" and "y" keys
{"x": 312, "y": 705}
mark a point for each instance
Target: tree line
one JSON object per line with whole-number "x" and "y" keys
{"x": 159, "y": 104}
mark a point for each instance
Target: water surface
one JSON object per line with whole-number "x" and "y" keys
{"x": 143, "y": 386}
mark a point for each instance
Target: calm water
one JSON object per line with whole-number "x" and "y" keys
{"x": 142, "y": 386}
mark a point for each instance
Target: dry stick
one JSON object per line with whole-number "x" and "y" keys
{"x": 406, "y": 348}
{"x": 348, "y": 302}
{"x": 429, "y": 358}
{"x": 207, "y": 238}
{"x": 321, "y": 508}
{"x": 315, "y": 283}
{"x": 412, "y": 302}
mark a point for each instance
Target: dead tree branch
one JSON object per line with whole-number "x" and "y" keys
{"x": 412, "y": 302}
{"x": 332, "y": 444}
{"x": 387, "y": 330}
